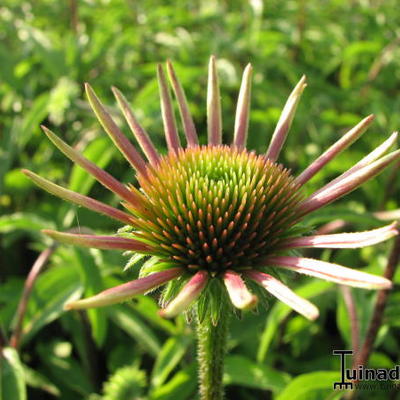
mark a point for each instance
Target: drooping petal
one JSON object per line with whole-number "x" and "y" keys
{"x": 368, "y": 159}
{"x": 187, "y": 120}
{"x": 79, "y": 199}
{"x": 189, "y": 293}
{"x": 344, "y": 142}
{"x": 343, "y": 240}
{"x": 119, "y": 139}
{"x": 167, "y": 111}
{"x": 330, "y": 272}
{"x": 102, "y": 176}
{"x": 284, "y": 294}
{"x": 243, "y": 109}
{"x": 126, "y": 291}
{"x": 285, "y": 120}
{"x": 330, "y": 193}
{"x": 140, "y": 134}
{"x": 239, "y": 294}
{"x": 98, "y": 242}
{"x": 214, "y": 119}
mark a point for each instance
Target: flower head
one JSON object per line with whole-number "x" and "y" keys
{"x": 215, "y": 218}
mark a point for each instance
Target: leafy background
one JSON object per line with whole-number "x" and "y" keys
{"x": 349, "y": 51}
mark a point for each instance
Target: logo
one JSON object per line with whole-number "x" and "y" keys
{"x": 351, "y": 375}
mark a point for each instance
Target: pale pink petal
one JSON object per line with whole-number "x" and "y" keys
{"x": 126, "y": 291}
{"x": 79, "y": 199}
{"x": 330, "y": 272}
{"x": 141, "y": 135}
{"x": 344, "y": 142}
{"x": 102, "y": 176}
{"x": 187, "y": 120}
{"x": 343, "y": 240}
{"x": 368, "y": 159}
{"x": 119, "y": 139}
{"x": 285, "y": 120}
{"x": 98, "y": 242}
{"x": 345, "y": 185}
{"x": 284, "y": 294}
{"x": 188, "y": 294}
{"x": 387, "y": 215}
{"x": 167, "y": 112}
{"x": 239, "y": 294}
{"x": 214, "y": 119}
{"x": 243, "y": 109}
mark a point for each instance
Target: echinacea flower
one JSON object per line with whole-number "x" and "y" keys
{"x": 215, "y": 218}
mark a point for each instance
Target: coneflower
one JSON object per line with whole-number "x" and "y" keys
{"x": 216, "y": 218}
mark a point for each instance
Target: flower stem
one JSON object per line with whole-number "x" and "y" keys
{"x": 210, "y": 353}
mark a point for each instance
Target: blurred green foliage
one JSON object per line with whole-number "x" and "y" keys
{"x": 349, "y": 51}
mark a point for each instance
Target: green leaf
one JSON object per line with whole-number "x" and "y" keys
{"x": 36, "y": 380}
{"x": 24, "y": 221}
{"x": 12, "y": 381}
{"x": 52, "y": 290}
{"x": 128, "y": 321}
{"x": 169, "y": 357}
{"x": 93, "y": 284}
{"x": 148, "y": 308}
{"x": 240, "y": 370}
{"x": 312, "y": 386}
{"x": 180, "y": 387}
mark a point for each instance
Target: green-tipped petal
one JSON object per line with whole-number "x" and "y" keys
{"x": 285, "y": 120}
{"x": 119, "y": 139}
{"x": 187, "y": 120}
{"x": 98, "y": 242}
{"x": 167, "y": 111}
{"x": 243, "y": 109}
{"x": 102, "y": 176}
{"x": 126, "y": 291}
{"x": 332, "y": 192}
{"x": 141, "y": 135}
{"x": 78, "y": 199}
{"x": 188, "y": 294}
{"x": 214, "y": 119}
{"x": 344, "y": 142}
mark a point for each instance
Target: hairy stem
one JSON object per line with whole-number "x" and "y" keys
{"x": 210, "y": 354}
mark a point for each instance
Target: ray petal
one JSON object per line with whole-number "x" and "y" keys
{"x": 167, "y": 111}
{"x": 239, "y": 294}
{"x": 284, "y": 294}
{"x": 368, "y": 159}
{"x": 343, "y": 240}
{"x": 189, "y": 293}
{"x": 332, "y": 192}
{"x": 78, "y": 198}
{"x": 330, "y": 272}
{"x": 187, "y": 120}
{"x": 140, "y": 134}
{"x": 119, "y": 139}
{"x": 345, "y": 141}
{"x": 102, "y": 176}
{"x": 285, "y": 120}
{"x": 214, "y": 119}
{"x": 243, "y": 109}
{"x": 97, "y": 241}
{"x": 126, "y": 291}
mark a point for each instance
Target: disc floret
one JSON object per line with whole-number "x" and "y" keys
{"x": 217, "y": 207}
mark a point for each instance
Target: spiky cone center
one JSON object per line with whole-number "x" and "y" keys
{"x": 216, "y": 208}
